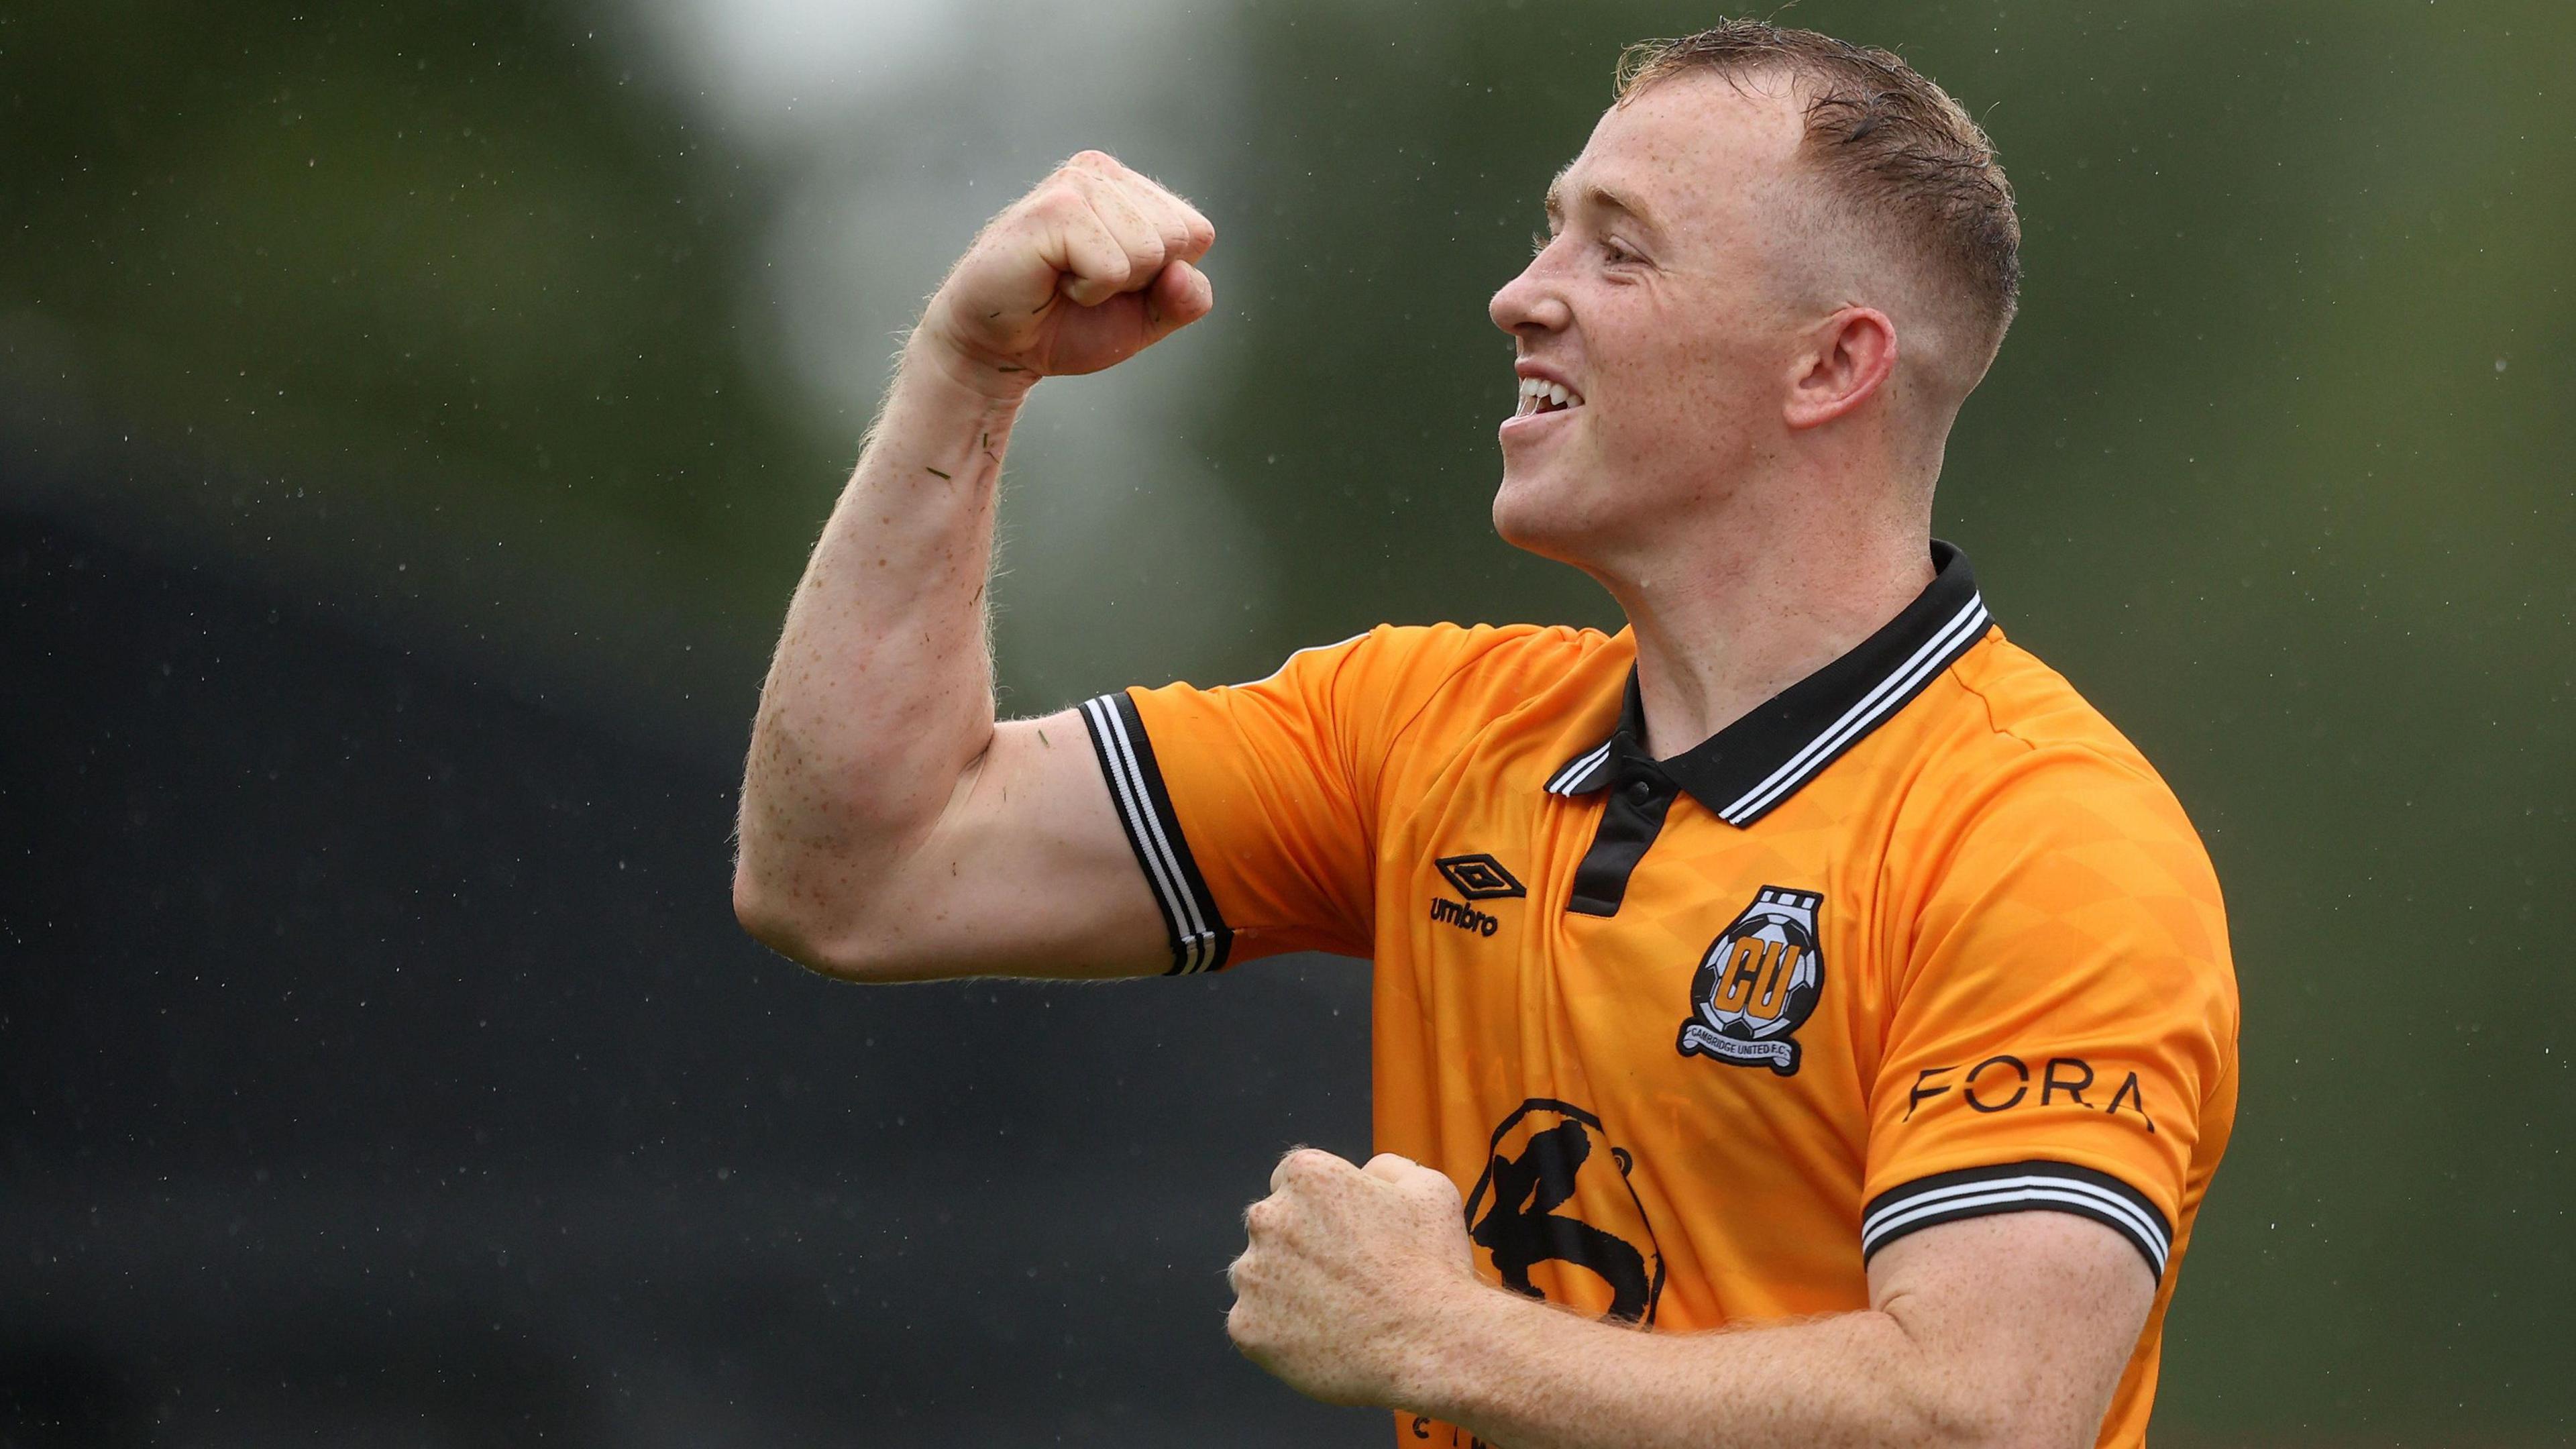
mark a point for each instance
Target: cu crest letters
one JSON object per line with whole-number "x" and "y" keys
{"x": 1758, "y": 983}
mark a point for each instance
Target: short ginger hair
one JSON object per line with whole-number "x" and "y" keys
{"x": 1895, "y": 151}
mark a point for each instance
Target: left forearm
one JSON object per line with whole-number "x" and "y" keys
{"x": 2003, "y": 1331}
{"x": 1522, "y": 1374}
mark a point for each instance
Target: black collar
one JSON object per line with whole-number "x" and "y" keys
{"x": 1744, "y": 770}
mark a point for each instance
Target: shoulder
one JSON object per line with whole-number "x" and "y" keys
{"x": 2028, "y": 701}
{"x": 1498, "y": 649}
{"x": 2020, "y": 724}
{"x": 1467, "y": 665}
{"x": 2036, "y": 822}
{"x": 1398, "y": 685}
{"x": 2024, "y": 764}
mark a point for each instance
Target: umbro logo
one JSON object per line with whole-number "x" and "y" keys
{"x": 1479, "y": 877}
{"x": 1464, "y": 917}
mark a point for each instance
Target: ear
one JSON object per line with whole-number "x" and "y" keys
{"x": 1853, "y": 355}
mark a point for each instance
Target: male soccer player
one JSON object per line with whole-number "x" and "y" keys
{"x": 1799, "y": 1018}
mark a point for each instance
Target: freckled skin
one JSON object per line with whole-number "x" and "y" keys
{"x": 1673, "y": 345}
{"x": 874, "y": 839}
{"x": 1356, "y": 1286}
{"x": 1750, "y": 475}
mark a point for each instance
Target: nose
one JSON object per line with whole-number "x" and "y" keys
{"x": 1532, "y": 302}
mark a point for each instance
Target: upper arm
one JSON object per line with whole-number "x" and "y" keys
{"x": 1021, "y": 870}
{"x": 2062, "y": 1032}
{"x": 1026, "y": 872}
{"x": 2027, "y": 1319}
{"x": 2056, "y": 1083}
{"x": 1167, "y": 830}
{"x": 1256, "y": 810}
{"x": 1176, "y": 829}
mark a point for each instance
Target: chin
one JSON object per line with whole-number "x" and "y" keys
{"x": 1544, "y": 516}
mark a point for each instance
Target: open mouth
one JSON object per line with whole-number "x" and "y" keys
{"x": 1538, "y": 395}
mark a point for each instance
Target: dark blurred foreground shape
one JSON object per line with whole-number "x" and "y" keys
{"x": 384, "y": 1066}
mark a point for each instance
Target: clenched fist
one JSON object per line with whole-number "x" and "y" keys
{"x": 1088, "y": 269}
{"x": 1348, "y": 1286}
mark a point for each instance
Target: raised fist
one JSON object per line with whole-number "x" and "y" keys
{"x": 1088, "y": 269}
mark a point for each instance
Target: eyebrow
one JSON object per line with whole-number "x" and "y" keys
{"x": 1595, "y": 195}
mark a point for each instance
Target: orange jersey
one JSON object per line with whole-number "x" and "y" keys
{"x": 1921, "y": 938}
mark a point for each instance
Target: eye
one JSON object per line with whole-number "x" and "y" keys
{"x": 1616, "y": 252}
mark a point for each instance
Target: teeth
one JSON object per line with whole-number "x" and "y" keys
{"x": 1538, "y": 393}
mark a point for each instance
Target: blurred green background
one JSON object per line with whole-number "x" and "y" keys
{"x": 551, "y": 328}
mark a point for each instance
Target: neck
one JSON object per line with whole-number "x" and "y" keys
{"x": 1729, "y": 617}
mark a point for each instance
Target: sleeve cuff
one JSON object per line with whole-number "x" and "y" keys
{"x": 1200, "y": 939}
{"x": 2014, "y": 1187}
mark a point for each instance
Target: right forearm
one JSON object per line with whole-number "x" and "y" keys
{"x": 880, "y": 700}
{"x": 881, "y": 690}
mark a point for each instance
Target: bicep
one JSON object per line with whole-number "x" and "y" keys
{"x": 1026, "y": 873}
{"x": 2031, "y": 1316}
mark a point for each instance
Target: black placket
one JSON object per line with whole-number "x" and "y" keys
{"x": 1743, "y": 772}
{"x": 1632, "y": 817}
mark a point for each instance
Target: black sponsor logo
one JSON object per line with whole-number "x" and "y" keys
{"x": 2003, "y": 1082}
{"x": 1555, "y": 1190}
{"x": 1479, "y": 877}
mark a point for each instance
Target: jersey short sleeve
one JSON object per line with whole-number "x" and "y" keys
{"x": 2063, "y": 1032}
{"x": 1253, "y": 809}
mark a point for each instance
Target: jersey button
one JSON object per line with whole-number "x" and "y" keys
{"x": 1641, "y": 791}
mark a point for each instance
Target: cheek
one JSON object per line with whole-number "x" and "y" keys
{"x": 1679, "y": 390}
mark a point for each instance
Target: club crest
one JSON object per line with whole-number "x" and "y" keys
{"x": 1758, "y": 983}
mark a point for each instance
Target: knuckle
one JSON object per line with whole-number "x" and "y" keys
{"x": 1057, "y": 201}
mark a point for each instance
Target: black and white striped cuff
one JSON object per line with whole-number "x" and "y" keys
{"x": 2015, "y": 1187}
{"x": 1199, "y": 935}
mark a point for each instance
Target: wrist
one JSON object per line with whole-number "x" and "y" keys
{"x": 1461, "y": 1340}
{"x": 951, "y": 367}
